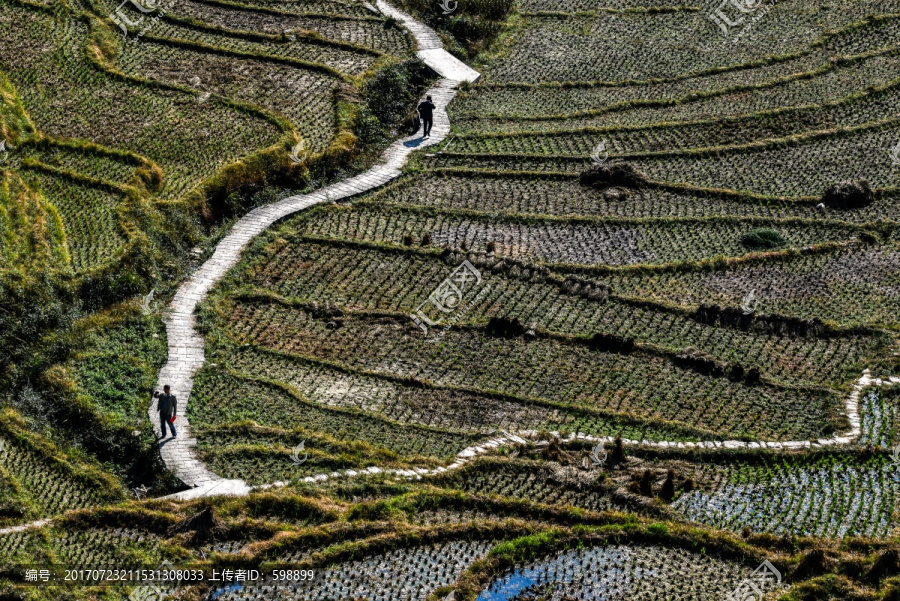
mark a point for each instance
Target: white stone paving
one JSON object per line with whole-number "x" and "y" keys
{"x": 431, "y": 50}
{"x": 22, "y": 527}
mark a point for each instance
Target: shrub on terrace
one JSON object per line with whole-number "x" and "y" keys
{"x": 849, "y": 195}
{"x": 763, "y": 239}
{"x": 623, "y": 175}
{"x": 667, "y": 492}
{"x": 390, "y": 96}
{"x": 505, "y": 328}
{"x": 610, "y": 343}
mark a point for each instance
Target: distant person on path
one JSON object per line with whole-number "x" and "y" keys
{"x": 426, "y": 112}
{"x": 167, "y": 405}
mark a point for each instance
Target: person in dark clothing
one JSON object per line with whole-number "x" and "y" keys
{"x": 167, "y": 405}
{"x": 426, "y": 112}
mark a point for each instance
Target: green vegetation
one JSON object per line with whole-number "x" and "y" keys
{"x": 763, "y": 239}
{"x": 391, "y": 95}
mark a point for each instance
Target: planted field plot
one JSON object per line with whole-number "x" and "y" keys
{"x": 579, "y": 49}
{"x": 93, "y": 163}
{"x": 550, "y": 484}
{"x": 879, "y": 418}
{"x": 122, "y": 114}
{"x": 580, "y": 241}
{"x": 617, "y": 572}
{"x": 306, "y": 97}
{"x": 289, "y": 418}
{"x": 854, "y": 285}
{"x": 335, "y": 8}
{"x": 525, "y": 103}
{"x": 827, "y": 496}
{"x": 396, "y": 574}
{"x": 306, "y": 51}
{"x": 562, "y": 195}
{"x": 90, "y": 218}
{"x": 552, "y": 110}
{"x": 859, "y": 108}
{"x": 805, "y": 170}
{"x": 390, "y": 279}
{"x": 40, "y": 480}
{"x": 547, "y": 383}
{"x": 363, "y": 28}
{"x": 31, "y": 228}
{"x": 778, "y": 168}
{"x": 399, "y": 400}
{"x": 573, "y": 6}
{"x": 113, "y": 546}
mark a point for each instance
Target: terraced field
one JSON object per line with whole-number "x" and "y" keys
{"x": 162, "y": 110}
{"x": 38, "y": 482}
{"x": 718, "y": 294}
{"x": 625, "y": 327}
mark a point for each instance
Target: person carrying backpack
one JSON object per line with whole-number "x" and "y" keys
{"x": 167, "y": 406}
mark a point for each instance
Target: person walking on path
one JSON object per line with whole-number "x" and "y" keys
{"x": 426, "y": 112}
{"x": 167, "y": 405}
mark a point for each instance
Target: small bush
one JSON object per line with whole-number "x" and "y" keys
{"x": 658, "y": 529}
{"x": 489, "y": 9}
{"x": 506, "y": 328}
{"x": 849, "y": 195}
{"x": 646, "y": 485}
{"x": 691, "y": 358}
{"x": 763, "y": 239}
{"x": 667, "y": 492}
{"x": 623, "y": 175}
{"x": 394, "y": 89}
{"x": 618, "y": 454}
{"x": 368, "y": 128}
{"x": 753, "y": 376}
{"x": 736, "y": 373}
{"x": 610, "y": 343}
{"x": 202, "y": 526}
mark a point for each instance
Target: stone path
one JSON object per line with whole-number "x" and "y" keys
{"x": 531, "y": 436}
{"x": 186, "y": 355}
{"x": 431, "y": 50}
{"x": 21, "y": 527}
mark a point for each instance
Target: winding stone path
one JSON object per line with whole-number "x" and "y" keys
{"x": 186, "y": 355}
{"x": 533, "y": 436}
